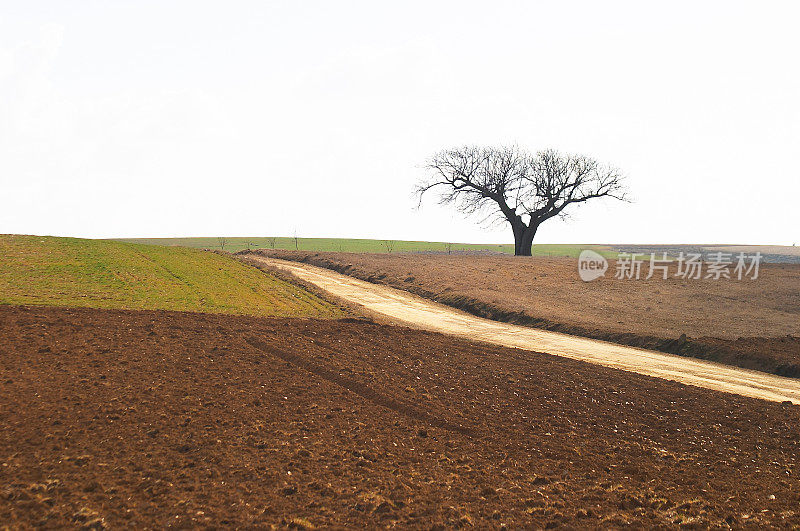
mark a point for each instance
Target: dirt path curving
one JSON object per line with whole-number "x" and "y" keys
{"x": 410, "y": 310}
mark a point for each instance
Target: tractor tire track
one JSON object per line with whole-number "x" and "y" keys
{"x": 359, "y": 388}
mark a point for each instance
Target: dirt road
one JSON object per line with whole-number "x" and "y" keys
{"x": 405, "y": 308}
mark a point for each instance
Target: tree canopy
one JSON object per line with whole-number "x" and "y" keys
{"x": 524, "y": 189}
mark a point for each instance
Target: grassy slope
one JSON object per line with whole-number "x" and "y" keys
{"x": 364, "y": 246}
{"x": 105, "y": 274}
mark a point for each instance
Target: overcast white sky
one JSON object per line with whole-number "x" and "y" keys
{"x": 261, "y": 118}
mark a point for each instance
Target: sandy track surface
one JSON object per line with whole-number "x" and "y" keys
{"x": 405, "y": 308}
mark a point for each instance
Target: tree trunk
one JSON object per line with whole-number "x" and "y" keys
{"x": 519, "y": 230}
{"x": 525, "y": 243}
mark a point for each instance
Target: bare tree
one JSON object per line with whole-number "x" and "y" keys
{"x": 222, "y": 241}
{"x": 389, "y": 244}
{"x": 271, "y": 241}
{"x": 449, "y": 247}
{"x": 296, "y": 241}
{"x": 511, "y": 185}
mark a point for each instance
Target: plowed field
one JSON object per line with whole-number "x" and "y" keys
{"x": 153, "y": 418}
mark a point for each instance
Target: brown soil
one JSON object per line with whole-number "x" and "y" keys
{"x": 149, "y": 419}
{"x": 753, "y": 324}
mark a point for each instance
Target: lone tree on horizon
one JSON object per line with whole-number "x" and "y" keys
{"x": 507, "y": 183}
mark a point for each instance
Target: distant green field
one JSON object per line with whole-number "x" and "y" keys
{"x": 108, "y": 274}
{"x": 234, "y": 244}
